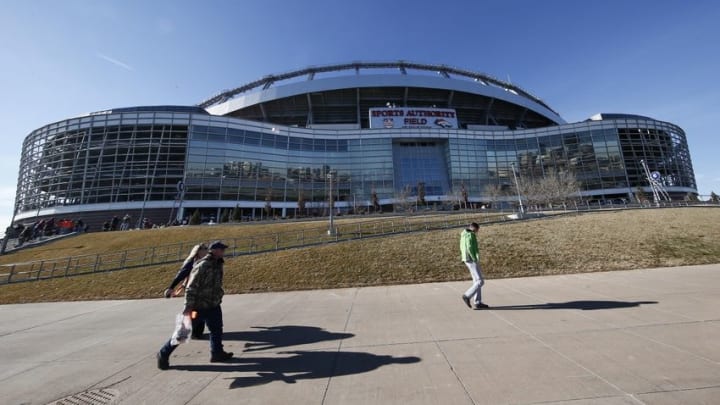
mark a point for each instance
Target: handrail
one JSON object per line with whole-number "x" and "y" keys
{"x": 174, "y": 253}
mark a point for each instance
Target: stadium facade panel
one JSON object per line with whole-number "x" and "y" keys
{"x": 274, "y": 147}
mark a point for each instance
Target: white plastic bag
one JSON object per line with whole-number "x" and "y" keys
{"x": 183, "y": 329}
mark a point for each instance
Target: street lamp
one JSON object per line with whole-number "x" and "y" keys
{"x": 331, "y": 229}
{"x": 517, "y": 186}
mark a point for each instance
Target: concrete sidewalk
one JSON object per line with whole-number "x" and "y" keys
{"x": 631, "y": 337}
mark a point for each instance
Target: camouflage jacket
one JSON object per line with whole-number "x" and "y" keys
{"x": 204, "y": 288}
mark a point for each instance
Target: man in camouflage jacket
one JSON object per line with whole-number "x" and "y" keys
{"x": 203, "y": 297}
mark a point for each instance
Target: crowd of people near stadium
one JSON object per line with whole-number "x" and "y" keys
{"x": 29, "y": 232}
{"x": 47, "y": 227}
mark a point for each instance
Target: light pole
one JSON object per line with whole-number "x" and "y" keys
{"x": 517, "y": 186}
{"x": 331, "y": 229}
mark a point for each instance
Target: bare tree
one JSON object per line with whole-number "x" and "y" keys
{"x": 640, "y": 196}
{"x": 714, "y": 198}
{"x": 421, "y": 193}
{"x": 402, "y": 201}
{"x": 454, "y": 198}
{"x": 528, "y": 189}
{"x": 268, "y": 203}
{"x": 568, "y": 186}
{"x": 494, "y": 192}
{"x": 300, "y": 203}
{"x": 464, "y": 194}
{"x": 556, "y": 187}
{"x": 375, "y": 201}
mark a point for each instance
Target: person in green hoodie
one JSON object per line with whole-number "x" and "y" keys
{"x": 470, "y": 254}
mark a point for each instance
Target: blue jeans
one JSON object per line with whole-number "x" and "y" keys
{"x": 213, "y": 319}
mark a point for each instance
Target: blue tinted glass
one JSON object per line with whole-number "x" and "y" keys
{"x": 216, "y": 131}
{"x": 252, "y": 138}
{"x": 268, "y": 140}
{"x": 331, "y": 145}
{"x": 307, "y": 144}
{"x": 216, "y": 138}
{"x": 295, "y": 144}
{"x": 198, "y": 136}
{"x": 235, "y": 135}
{"x": 281, "y": 141}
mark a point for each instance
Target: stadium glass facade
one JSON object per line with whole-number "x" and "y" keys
{"x": 175, "y": 160}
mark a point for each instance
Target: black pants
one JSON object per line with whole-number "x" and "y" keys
{"x": 213, "y": 317}
{"x": 198, "y": 327}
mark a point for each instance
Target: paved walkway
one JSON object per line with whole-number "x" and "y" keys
{"x": 636, "y": 337}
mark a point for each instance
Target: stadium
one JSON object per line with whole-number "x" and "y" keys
{"x": 366, "y": 136}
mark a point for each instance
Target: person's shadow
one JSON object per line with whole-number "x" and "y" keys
{"x": 301, "y": 365}
{"x": 582, "y": 305}
{"x": 266, "y": 338}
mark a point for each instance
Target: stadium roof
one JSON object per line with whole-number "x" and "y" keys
{"x": 401, "y": 67}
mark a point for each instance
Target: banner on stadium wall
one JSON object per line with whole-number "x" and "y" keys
{"x": 411, "y": 117}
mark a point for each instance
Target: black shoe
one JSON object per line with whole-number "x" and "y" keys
{"x": 198, "y": 337}
{"x": 162, "y": 362}
{"x": 466, "y": 300}
{"x": 480, "y": 305}
{"x": 220, "y": 357}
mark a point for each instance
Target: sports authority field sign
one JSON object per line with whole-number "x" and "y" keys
{"x": 409, "y": 117}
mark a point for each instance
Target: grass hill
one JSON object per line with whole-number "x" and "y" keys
{"x": 615, "y": 240}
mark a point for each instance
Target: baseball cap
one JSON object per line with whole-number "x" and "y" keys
{"x": 218, "y": 245}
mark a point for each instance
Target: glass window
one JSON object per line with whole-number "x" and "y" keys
{"x": 216, "y": 138}
{"x": 281, "y": 141}
{"x": 268, "y": 140}
{"x": 252, "y": 138}
{"x": 216, "y": 131}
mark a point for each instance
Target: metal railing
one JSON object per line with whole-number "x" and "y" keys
{"x": 174, "y": 253}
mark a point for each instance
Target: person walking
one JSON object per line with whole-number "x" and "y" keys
{"x": 204, "y": 294}
{"x": 470, "y": 254}
{"x": 196, "y": 254}
{"x": 114, "y": 223}
{"x": 125, "y": 224}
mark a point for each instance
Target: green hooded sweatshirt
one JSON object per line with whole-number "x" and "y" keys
{"x": 469, "y": 251}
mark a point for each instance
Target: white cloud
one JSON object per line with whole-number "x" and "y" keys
{"x": 115, "y": 62}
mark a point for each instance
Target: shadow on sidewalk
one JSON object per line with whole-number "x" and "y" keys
{"x": 583, "y": 305}
{"x": 301, "y": 365}
{"x": 267, "y": 338}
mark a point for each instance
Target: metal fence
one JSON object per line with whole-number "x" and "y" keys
{"x": 173, "y": 253}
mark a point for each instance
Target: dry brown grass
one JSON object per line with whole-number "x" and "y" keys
{"x": 107, "y": 242}
{"x": 569, "y": 244}
{"x": 112, "y": 242}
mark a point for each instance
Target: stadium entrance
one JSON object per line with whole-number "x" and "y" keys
{"x": 420, "y": 163}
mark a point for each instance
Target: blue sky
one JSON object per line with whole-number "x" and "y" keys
{"x": 60, "y": 59}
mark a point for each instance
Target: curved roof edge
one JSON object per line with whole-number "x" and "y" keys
{"x": 149, "y": 108}
{"x": 402, "y": 67}
{"x": 617, "y": 116}
{"x": 364, "y": 81}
